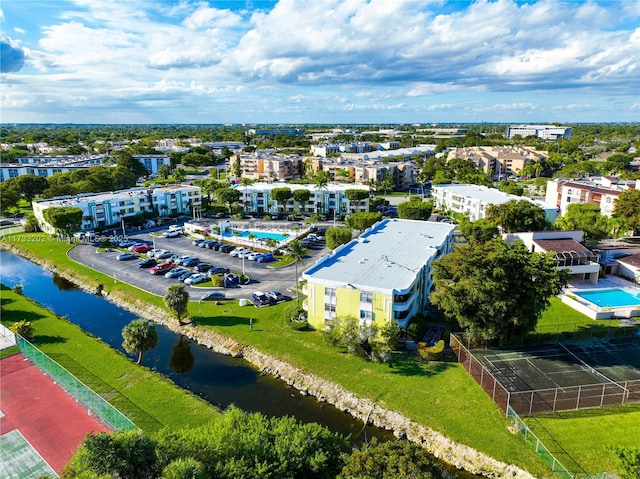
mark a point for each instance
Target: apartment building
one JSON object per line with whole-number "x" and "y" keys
{"x": 365, "y": 172}
{"x": 473, "y": 200}
{"x": 547, "y": 132}
{"x": 602, "y": 191}
{"x": 327, "y": 201}
{"x": 499, "y": 161}
{"x": 102, "y": 210}
{"x": 50, "y": 165}
{"x": 264, "y": 166}
{"x": 383, "y": 275}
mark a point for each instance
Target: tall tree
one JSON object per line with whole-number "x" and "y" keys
{"x": 362, "y": 221}
{"x": 481, "y": 230}
{"x": 227, "y": 195}
{"x": 627, "y": 206}
{"x": 585, "y": 217}
{"x": 128, "y": 162}
{"x": 9, "y": 197}
{"x": 63, "y": 218}
{"x": 281, "y": 195}
{"x": 415, "y": 210}
{"x": 246, "y": 182}
{"x": 337, "y": 236}
{"x": 301, "y": 196}
{"x": 496, "y": 288}
{"x": 177, "y": 300}
{"x": 139, "y": 337}
{"x": 295, "y": 251}
{"x": 515, "y": 216}
{"x": 387, "y": 183}
{"x": 28, "y": 186}
{"x": 321, "y": 182}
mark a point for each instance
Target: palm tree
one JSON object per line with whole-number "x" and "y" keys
{"x": 139, "y": 337}
{"x": 252, "y": 237}
{"x": 177, "y": 300}
{"x": 271, "y": 243}
{"x": 321, "y": 181}
{"x": 295, "y": 251}
{"x": 246, "y": 182}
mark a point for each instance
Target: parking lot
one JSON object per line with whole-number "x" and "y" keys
{"x": 264, "y": 277}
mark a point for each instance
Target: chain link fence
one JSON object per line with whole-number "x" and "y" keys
{"x": 72, "y": 385}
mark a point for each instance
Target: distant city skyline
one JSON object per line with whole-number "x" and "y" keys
{"x": 319, "y": 61}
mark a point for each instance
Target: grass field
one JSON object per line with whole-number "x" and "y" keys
{"x": 440, "y": 395}
{"x": 147, "y": 398}
{"x": 448, "y": 399}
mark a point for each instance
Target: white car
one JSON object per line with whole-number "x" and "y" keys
{"x": 175, "y": 228}
{"x": 172, "y": 234}
{"x": 253, "y": 255}
{"x": 196, "y": 278}
{"x": 238, "y": 251}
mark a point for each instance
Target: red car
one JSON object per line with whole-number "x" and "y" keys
{"x": 161, "y": 268}
{"x": 142, "y": 248}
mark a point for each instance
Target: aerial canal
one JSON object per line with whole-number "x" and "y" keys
{"x": 218, "y": 379}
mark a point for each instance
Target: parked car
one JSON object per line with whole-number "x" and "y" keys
{"x": 226, "y": 248}
{"x": 203, "y": 267}
{"x": 147, "y": 263}
{"x": 190, "y": 262}
{"x": 175, "y": 272}
{"x": 164, "y": 254}
{"x": 126, "y": 243}
{"x": 275, "y": 296}
{"x": 161, "y": 268}
{"x": 142, "y": 248}
{"x": 210, "y": 244}
{"x": 171, "y": 234}
{"x": 196, "y": 278}
{"x": 152, "y": 252}
{"x": 185, "y": 275}
{"x": 245, "y": 254}
{"x": 127, "y": 256}
{"x": 175, "y": 228}
{"x": 265, "y": 258}
{"x": 253, "y": 256}
{"x": 239, "y": 251}
{"x": 217, "y": 270}
{"x": 231, "y": 280}
{"x": 197, "y": 242}
{"x": 177, "y": 259}
{"x": 260, "y": 299}
{"x": 213, "y": 296}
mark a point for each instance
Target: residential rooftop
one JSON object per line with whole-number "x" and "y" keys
{"x": 385, "y": 258}
{"x": 483, "y": 193}
{"x": 109, "y": 195}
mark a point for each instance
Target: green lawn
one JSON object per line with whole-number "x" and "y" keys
{"x": 440, "y": 395}
{"x": 147, "y": 398}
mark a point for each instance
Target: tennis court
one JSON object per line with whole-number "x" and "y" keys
{"x": 559, "y": 376}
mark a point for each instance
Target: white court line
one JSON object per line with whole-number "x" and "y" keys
{"x": 593, "y": 370}
{"x": 10, "y": 473}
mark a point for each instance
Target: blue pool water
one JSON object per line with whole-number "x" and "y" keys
{"x": 610, "y": 298}
{"x": 259, "y": 234}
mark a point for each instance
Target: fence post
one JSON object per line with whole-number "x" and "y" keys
{"x": 531, "y": 406}
{"x": 578, "y": 398}
{"x": 602, "y": 395}
{"x": 555, "y": 397}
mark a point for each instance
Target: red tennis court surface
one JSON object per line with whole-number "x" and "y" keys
{"x": 49, "y": 418}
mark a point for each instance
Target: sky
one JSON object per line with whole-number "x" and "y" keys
{"x": 319, "y": 61}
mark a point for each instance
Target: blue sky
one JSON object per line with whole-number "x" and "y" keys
{"x": 319, "y": 61}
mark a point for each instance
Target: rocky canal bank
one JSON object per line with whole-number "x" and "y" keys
{"x": 365, "y": 409}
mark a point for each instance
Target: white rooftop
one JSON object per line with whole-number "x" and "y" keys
{"x": 482, "y": 193}
{"x": 110, "y": 195}
{"x": 264, "y": 186}
{"x": 385, "y": 258}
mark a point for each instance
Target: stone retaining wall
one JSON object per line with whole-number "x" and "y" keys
{"x": 436, "y": 443}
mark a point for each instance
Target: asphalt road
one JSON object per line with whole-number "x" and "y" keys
{"x": 263, "y": 277}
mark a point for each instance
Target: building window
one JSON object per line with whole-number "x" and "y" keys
{"x": 366, "y": 314}
{"x": 366, "y": 297}
{"x": 330, "y": 307}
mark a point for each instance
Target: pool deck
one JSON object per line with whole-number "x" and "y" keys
{"x": 595, "y": 312}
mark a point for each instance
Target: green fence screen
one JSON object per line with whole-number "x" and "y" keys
{"x": 82, "y": 393}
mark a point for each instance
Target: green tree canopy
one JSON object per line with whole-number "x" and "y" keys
{"x": 585, "y": 217}
{"x": 413, "y": 210}
{"x": 27, "y": 186}
{"x": 517, "y": 215}
{"x": 495, "y": 288}
{"x": 227, "y": 195}
{"x": 362, "y": 221}
{"x": 129, "y": 163}
{"x": 301, "y": 196}
{"x": 628, "y": 462}
{"x": 139, "y": 337}
{"x": 481, "y": 230}
{"x": 356, "y": 195}
{"x": 627, "y": 206}
{"x": 9, "y": 197}
{"x": 392, "y": 460}
{"x": 511, "y": 187}
{"x": 337, "y": 236}
{"x": 177, "y": 300}
{"x": 63, "y": 218}
{"x": 281, "y": 195}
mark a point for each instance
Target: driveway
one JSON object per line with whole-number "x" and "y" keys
{"x": 263, "y": 276}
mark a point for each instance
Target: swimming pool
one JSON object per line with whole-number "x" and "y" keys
{"x": 259, "y": 234}
{"x": 610, "y": 297}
